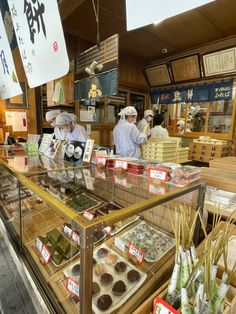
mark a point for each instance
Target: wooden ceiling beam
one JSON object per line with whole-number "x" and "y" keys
{"x": 67, "y": 7}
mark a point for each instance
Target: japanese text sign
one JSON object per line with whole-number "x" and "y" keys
{"x": 161, "y": 307}
{"x": 40, "y": 39}
{"x": 121, "y": 164}
{"x": 138, "y": 254}
{"x": 157, "y": 174}
{"x": 9, "y": 85}
{"x": 72, "y": 286}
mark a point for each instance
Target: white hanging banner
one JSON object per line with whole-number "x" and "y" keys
{"x": 9, "y": 85}
{"x": 40, "y": 38}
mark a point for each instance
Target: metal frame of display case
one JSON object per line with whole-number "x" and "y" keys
{"x": 87, "y": 228}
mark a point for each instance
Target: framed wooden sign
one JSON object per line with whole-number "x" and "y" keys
{"x": 187, "y": 68}
{"x": 220, "y": 62}
{"x": 158, "y": 75}
{"x": 20, "y": 101}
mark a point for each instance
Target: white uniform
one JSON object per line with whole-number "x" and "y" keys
{"x": 142, "y": 124}
{"x": 159, "y": 131}
{"x": 127, "y": 139}
{"x": 57, "y": 133}
{"x": 78, "y": 134}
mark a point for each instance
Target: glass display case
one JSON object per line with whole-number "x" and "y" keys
{"x": 85, "y": 233}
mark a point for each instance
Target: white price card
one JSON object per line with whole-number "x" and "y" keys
{"x": 39, "y": 244}
{"x": 88, "y": 216}
{"x": 101, "y": 160}
{"x": 76, "y": 237}
{"x": 45, "y": 254}
{"x": 107, "y": 230}
{"x": 138, "y": 254}
{"x": 157, "y": 174}
{"x": 67, "y": 230}
{"x": 119, "y": 244}
{"x": 72, "y": 286}
{"x": 161, "y": 307}
{"x": 121, "y": 164}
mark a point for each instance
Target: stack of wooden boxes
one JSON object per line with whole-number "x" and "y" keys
{"x": 164, "y": 149}
{"x": 207, "y": 151}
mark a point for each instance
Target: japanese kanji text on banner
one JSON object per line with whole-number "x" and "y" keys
{"x": 9, "y": 85}
{"x": 40, "y": 39}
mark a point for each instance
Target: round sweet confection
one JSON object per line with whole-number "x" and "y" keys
{"x": 119, "y": 288}
{"x": 100, "y": 269}
{"x": 95, "y": 288}
{"x": 104, "y": 302}
{"x": 133, "y": 275}
{"x": 102, "y": 252}
{"x": 106, "y": 279}
{"x": 111, "y": 259}
{"x": 76, "y": 270}
{"x": 120, "y": 267}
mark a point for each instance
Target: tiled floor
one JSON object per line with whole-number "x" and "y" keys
{"x": 14, "y": 297}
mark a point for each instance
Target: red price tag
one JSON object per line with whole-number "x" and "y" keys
{"x": 107, "y": 230}
{"x": 88, "y": 216}
{"x": 138, "y": 254}
{"x": 157, "y": 174}
{"x": 121, "y": 164}
{"x": 45, "y": 254}
{"x": 101, "y": 160}
{"x": 72, "y": 286}
{"x": 76, "y": 237}
{"x": 161, "y": 307}
{"x": 39, "y": 245}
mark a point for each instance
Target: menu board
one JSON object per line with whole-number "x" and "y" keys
{"x": 158, "y": 75}
{"x": 186, "y": 68}
{"x": 220, "y": 62}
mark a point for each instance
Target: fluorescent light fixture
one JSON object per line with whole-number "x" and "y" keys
{"x": 140, "y": 13}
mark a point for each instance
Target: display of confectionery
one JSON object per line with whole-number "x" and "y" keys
{"x": 150, "y": 240}
{"x": 118, "y": 157}
{"x": 60, "y": 249}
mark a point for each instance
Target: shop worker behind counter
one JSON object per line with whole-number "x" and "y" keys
{"x": 68, "y": 129}
{"x": 145, "y": 122}
{"x": 158, "y": 130}
{"x": 127, "y": 137}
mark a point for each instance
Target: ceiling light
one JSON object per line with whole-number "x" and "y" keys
{"x": 90, "y": 70}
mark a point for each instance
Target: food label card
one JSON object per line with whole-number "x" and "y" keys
{"x": 121, "y": 164}
{"x": 45, "y": 254}
{"x": 67, "y": 231}
{"x": 39, "y": 244}
{"x": 76, "y": 237}
{"x": 138, "y": 254}
{"x": 72, "y": 286}
{"x": 101, "y": 160}
{"x": 161, "y": 307}
{"x": 120, "y": 244}
{"x": 157, "y": 174}
{"x": 88, "y": 216}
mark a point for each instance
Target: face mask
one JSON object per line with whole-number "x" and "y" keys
{"x": 65, "y": 130}
{"x": 134, "y": 121}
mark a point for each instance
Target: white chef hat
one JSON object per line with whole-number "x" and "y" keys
{"x": 70, "y": 116}
{"x": 62, "y": 119}
{"x": 180, "y": 123}
{"x": 52, "y": 114}
{"x": 148, "y": 113}
{"x": 128, "y": 111}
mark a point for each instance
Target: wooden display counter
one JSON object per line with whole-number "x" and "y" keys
{"x": 223, "y": 180}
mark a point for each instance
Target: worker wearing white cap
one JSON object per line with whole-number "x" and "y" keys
{"x": 69, "y": 130}
{"x": 127, "y": 137}
{"x": 50, "y": 117}
{"x": 146, "y": 121}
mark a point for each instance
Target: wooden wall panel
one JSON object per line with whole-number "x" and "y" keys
{"x": 131, "y": 71}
